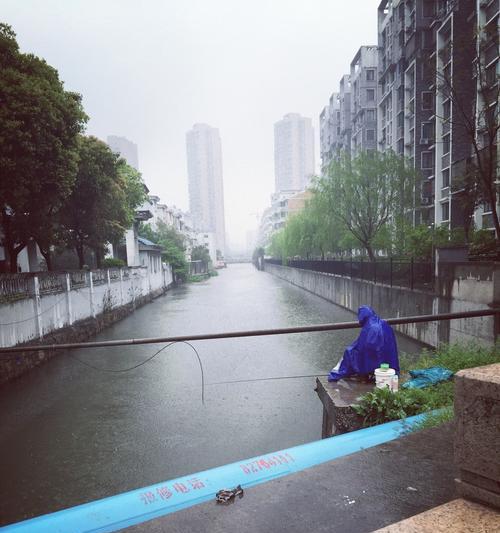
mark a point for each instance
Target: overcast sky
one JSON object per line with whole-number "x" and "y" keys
{"x": 149, "y": 70}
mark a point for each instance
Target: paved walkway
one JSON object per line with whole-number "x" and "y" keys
{"x": 401, "y": 478}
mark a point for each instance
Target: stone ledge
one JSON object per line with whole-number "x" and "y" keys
{"x": 459, "y": 516}
{"x": 477, "y": 433}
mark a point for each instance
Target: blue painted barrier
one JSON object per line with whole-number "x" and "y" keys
{"x": 136, "y": 506}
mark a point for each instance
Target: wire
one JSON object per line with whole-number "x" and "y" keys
{"x": 128, "y": 369}
{"x": 34, "y": 316}
{"x": 120, "y": 370}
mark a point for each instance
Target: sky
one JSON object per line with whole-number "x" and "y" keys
{"x": 150, "y": 70}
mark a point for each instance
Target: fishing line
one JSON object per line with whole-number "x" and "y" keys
{"x": 266, "y": 379}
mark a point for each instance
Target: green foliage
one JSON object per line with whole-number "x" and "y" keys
{"x": 435, "y": 419}
{"x": 102, "y": 204}
{"x": 39, "y": 127}
{"x": 420, "y": 241}
{"x": 360, "y": 204}
{"x": 484, "y": 244}
{"x": 112, "y": 262}
{"x": 172, "y": 243}
{"x": 367, "y": 192}
{"x": 196, "y": 278}
{"x": 200, "y": 253}
{"x": 382, "y": 405}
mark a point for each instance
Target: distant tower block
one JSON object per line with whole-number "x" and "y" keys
{"x": 293, "y": 152}
{"x": 127, "y": 149}
{"x": 206, "y": 195}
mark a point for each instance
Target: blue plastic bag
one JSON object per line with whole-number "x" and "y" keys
{"x": 427, "y": 377}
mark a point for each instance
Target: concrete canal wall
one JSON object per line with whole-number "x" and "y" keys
{"x": 50, "y": 308}
{"x": 460, "y": 287}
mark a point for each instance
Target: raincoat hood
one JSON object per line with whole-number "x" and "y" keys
{"x": 365, "y": 312}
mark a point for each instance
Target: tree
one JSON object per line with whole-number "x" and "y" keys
{"x": 39, "y": 125}
{"x": 200, "y": 253}
{"x": 368, "y": 192}
{"x": 172, "y": 243}
{"x": 101, "y": 206}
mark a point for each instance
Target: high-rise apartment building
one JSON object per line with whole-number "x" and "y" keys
{"x": 127, "y": 149}
{"x": 206, "y": 194}
{"x": 329, "y": 132}
{"x": 345, "y": 123}
{"x": 438, "y": 71}
{"x": 293, "y": 152}
{"x": 364, "y": 88}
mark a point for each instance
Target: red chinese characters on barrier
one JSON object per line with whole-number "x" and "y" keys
{"x": 265, "y": 464}
{"x": 165, "y": 492}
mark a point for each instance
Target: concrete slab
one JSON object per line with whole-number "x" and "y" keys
{"x": 459, "y": 516}
{"x": 337, "y": 399}
{"x": 358, "y": 493}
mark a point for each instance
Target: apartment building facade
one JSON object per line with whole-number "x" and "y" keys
{"x": 437, "y": 65}
{"x": 364, "y": 89}
{"x": 206, "y": 194}
{"x": 293, "y": 152}
{"x": 330, "y": 137}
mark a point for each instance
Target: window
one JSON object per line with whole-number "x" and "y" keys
{"x": 445, "y": 211}
{"x": 401, "y": 146}
{"x": 427, "y": 131}
{"x": 427, "y": 98}
{"x": 370, "y": 115}
{"x": 446, "y": 110}
{"x": 427, "y": 160}
{"x": 370, "y": 135}
{"x": 370, "y": 95}
{"x": 446, "y": 144}
{"x": 370, "y": 75}
{"x": 446, "y": 177}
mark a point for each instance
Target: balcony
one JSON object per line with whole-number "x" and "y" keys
{"x": 491, "y": 10}
{"x": 491, "y": 53}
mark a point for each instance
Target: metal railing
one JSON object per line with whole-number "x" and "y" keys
{"x": 51, "y": 283}
{"x": 411, "y": 274}
{"x": 16, "y": 286}
{"x": 251, "y": 333}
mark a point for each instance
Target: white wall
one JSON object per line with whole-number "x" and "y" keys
{"x": 31, "y": 314}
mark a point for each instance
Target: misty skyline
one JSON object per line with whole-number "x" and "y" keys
{"x": 149, "y": 72}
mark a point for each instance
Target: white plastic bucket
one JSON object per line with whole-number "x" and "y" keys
{"x": 384, "y": 377}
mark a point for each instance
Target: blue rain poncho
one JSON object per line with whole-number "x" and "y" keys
{"x": 375, "y": 345}
{"x": 427, "y": 377}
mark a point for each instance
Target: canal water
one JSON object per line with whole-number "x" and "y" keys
{"x": 71, "y": 434}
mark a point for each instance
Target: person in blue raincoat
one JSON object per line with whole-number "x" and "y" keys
{"x": 375, "y": 345}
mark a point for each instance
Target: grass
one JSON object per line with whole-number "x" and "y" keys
{"x": 381, "y": 405}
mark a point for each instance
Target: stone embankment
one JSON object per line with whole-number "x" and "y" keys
{"x": 460, "y": 287}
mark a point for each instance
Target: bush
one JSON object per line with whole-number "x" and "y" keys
{"x": 113, "y": 262}
{"x": 383, "y": 405}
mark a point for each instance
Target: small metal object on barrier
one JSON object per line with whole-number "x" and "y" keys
{"x": 226, "y": 496}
